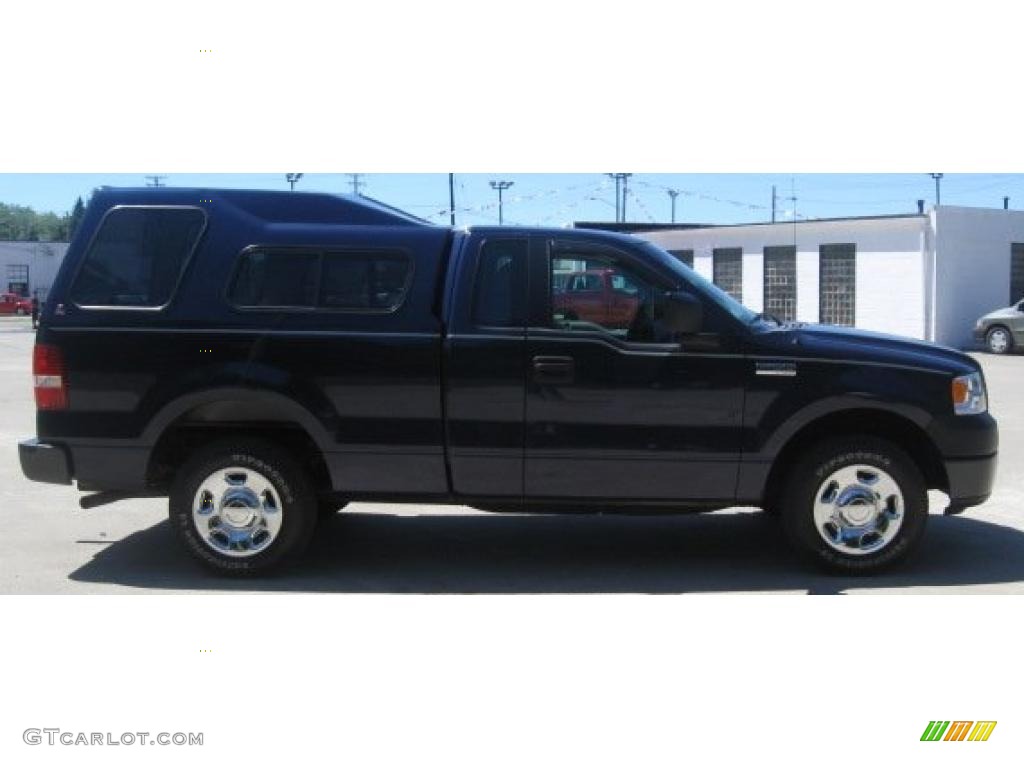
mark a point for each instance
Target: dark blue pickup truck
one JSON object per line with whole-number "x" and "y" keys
{"x": 262, "y": 357}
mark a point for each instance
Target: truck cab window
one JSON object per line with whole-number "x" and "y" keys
{"x": 598, "y": 293}
{"x": 498, "y": 299}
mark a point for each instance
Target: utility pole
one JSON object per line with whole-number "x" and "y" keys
{"x": 673, "y": 193}
{"x": 938, "y": 179}
{"x": 620, "y": 194}
{"x": 625, "y": 182}
{"x": 155, "y": 181}
{"x": 775, "y": 196}
{"x": 617, "y": 193}
{"x": 356, "y": 183}
{"x": 501, "y": 186}
{"x": 292, "y": 178}
{"x": 451, "y": 197}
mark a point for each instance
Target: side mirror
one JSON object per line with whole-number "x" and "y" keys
{"x": 684, "y": 314}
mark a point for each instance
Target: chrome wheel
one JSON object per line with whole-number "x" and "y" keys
{"x": 858, "y": 509}
{"x": 998, "y": 340}
{"x": 237, "y": 512}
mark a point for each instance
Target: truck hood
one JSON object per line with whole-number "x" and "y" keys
{"x": 836, "y": 342}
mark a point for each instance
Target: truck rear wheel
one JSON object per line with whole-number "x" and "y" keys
{"x": 855, "y": 505}
{"x": 243, "y": 506}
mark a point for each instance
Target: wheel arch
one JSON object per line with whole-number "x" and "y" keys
{"x": 899, "y": 429}
{"x": 191, "y": 421}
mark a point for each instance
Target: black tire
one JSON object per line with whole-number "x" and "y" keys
{"x": 811, "y": 472}
{"x": 292, "y": 485}
{"x": 992, "y": 346}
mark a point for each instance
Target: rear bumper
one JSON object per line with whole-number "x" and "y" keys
{"x": 44, "y": 463}
{"x": 970, "y": 480}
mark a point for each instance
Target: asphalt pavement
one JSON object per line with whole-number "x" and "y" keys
{"x": 50, "y": 546}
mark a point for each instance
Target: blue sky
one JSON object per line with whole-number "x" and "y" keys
{"x": 556, "y": 199}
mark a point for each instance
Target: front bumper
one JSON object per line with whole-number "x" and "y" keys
{"x": 970, "y": 480}
{"x": 969, "y": 447}
{"x": 44, "y": 463}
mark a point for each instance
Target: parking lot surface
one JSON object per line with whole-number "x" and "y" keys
{"x": 50, "y": 546}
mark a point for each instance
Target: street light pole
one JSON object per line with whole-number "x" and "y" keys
{"x": 620, "y": 194}
{"x": 938, "y": 179}
{"x": 292, "y": 178}
{"x": 673, "y": 193}
{"x": 501, "y": 186}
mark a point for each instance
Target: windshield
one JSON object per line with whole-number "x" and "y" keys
{"x": 702, "y": 285}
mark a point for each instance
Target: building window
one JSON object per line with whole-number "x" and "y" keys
{"x": 17, "y": 279}
{"x": 684, "y": 256}
{"x": 728, "y": 271}
{"x": 837, "y": 298}
{"x": 1016, "y": 272}
{"x": 780, "y": 282}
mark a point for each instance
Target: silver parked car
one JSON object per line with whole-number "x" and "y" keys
{"x": 1002, "y": 330}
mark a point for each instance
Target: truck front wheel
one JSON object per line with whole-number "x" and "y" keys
{"x": 243, "y": 506}
{"x": 855, "y": 504}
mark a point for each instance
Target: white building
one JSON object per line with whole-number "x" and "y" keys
{"x": 928, "y": 276}
{"x": 29, "y": 266}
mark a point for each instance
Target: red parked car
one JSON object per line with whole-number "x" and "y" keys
{"x": 13, "y": 304}
{"x": 601, "y": 296}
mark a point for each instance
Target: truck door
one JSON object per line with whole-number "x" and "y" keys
{"x": 617, "y": 410}
{"x": 485, "y": 359}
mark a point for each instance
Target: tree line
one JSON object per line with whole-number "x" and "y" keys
{"x": 19, "y": 222}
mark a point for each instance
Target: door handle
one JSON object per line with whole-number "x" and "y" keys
{"x": 553, "y": 370}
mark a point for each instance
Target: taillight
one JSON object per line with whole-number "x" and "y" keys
{"x": 51, "y": 386}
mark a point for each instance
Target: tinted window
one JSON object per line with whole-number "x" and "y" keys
{"x": 284, "y": 278}
{"x": 137, "y": 257}
{"x": 500, "y": 284}
{"x": 374, "y": 281}
{"x": 633, "y": 310}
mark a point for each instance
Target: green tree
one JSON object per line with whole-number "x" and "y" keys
{"x": 75, "y": 219}
{"x": 19, "y": 222}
